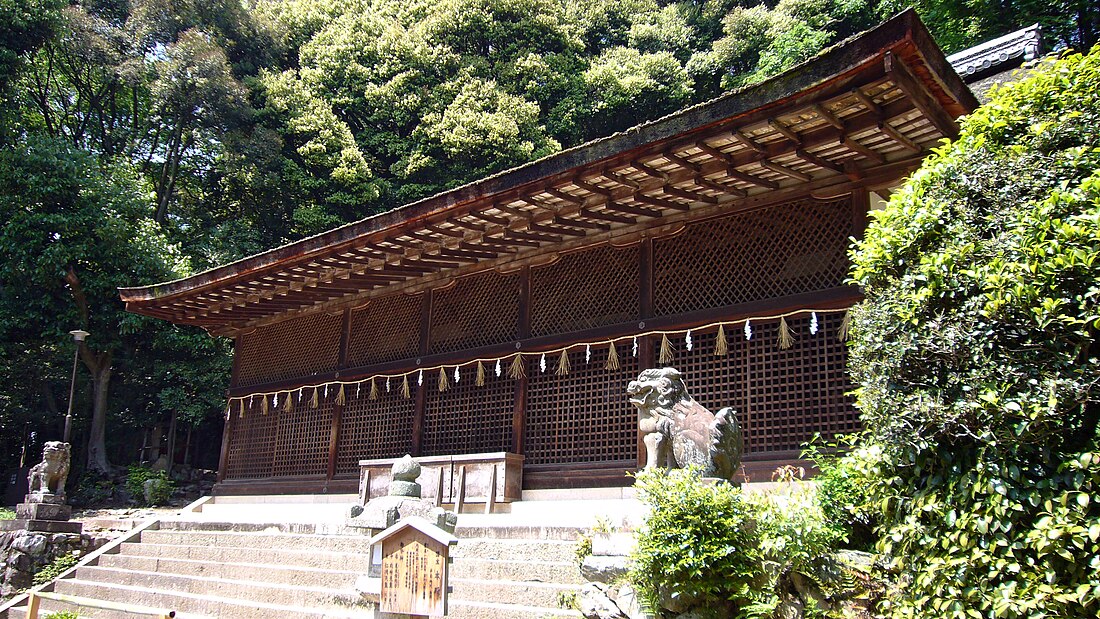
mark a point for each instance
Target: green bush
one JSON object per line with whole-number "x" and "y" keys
{"x": 136, "y": 477}
{"x": 843, "y": 490}
{"x": 55, "y": 568}
{"x": 63, "y": 614}
{"x": 976, "y": 355}
{"x": 699, "y": 542}
{"x": 93, "y": 489}
{"x": 6, "y": 514}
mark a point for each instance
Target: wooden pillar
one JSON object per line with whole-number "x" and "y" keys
{"x": 338, "y": 409}
{"x": 519, "y": 411}
{"x": 421, "y": 393}
{"x": 227, "y": 434}
{"x": 861, "y": 204}
{"x": 646, "y": 353}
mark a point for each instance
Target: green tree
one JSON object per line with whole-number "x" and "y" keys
{"x": 977, "y": 357}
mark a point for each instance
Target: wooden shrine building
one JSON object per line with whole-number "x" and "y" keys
{"x": 508, "y": 315}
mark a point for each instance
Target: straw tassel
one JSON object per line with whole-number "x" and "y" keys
{"x": 563, "y": 364}
{"x": 480, "y": 382}
{"x": 612, "y": 358}
{"x": 516, "y": 371}
{"x": 241, "y": 413}
{"x": 405, "y": 387}
{"x": 373, "y": 395}
{"x": 842, "y": 332}
{"x": 288, "y": 406}
{"x": 443, "y": 384}
{"x": 666, "y": 351}
{"x": 721, "y": 346}
{"x": 340, "y": 394}
{"x": 263, "y": 405}
{"x": 313, "y": 401}
{"x": 785, "y": 339}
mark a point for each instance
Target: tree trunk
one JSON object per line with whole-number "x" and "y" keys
{"x": 171, "y": 442}
{"x": 97, "y": 435}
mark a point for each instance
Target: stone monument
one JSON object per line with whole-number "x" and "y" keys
{"x": 402, "y": 501}
{"x": 678, "y": 432}
{"x": 44, "y": 508}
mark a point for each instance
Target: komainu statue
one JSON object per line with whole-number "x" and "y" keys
{"x": 48, "y": 476}
{"x": 678, "y": 432}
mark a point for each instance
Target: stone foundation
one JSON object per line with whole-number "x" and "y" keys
{"x": 24, "y": 552}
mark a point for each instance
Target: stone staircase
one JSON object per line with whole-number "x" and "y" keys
{"x": 225, "y": 561}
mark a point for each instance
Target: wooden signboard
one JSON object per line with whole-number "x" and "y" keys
{"x": 415, "y": 561}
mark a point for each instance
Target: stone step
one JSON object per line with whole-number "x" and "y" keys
{"x": 207, "y": 604}
{"x": 502, "y": 530}
{"x": 541, "y": 594}
{"x": 280, "y": 594}
{"x": 515, "y": 549}
{"x": 566, "y": 573}
{"x": 352, "y": 561}
{"x": 464, "y": 609}
{"x": 275, "y": 574}
{"x": 259, "y": 539}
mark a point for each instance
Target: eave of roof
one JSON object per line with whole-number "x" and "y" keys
{"x": 797, "y": 85}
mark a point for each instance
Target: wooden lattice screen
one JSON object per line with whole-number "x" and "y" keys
{"x": 583, "y": 416}
{"x": 466, "y": 418}
{"x": 278, "y": 443}
{"x": 782, "y": 397}
{"x": 290, "y": 349}
{"x": 584, "y": 290}
{"x": 478, "y": 310}
{"x": 379, "y": 428}
{"x": 386, "y": 329}
{"x": 773, "y": 252}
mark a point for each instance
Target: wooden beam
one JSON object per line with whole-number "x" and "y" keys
{"x": 919, "y": 96}
{"x": 820, "y": 162}
{"x": 784, "y": 131}
{"x": 784, "y": 170}
{"x": 827, "y": 116}
{"x": 632, "y": 210}
{"x": 658, "y": 202}
{"x": 611, "y": 217}
{"x": 689, "y": 195}
{"x": 547, "y": 228}
{"x": 899, "y": 137}
{"x": 468, "y": 225}
{"x": 579, "y": 223}
{"x": 733, "y": 171}
{"x": 855, "y": 146}
{"x": 493, "y": 219}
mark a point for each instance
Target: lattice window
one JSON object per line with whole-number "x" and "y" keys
{"x": 583, "y": 416}
{"x": 466, "y": 418}
{"x": 477, "y": 311}
{"x": 379, "y": 428}
{"x": 290, "y": 349}
{"x": 584, "y": 290}
{"x": 302, "y": 439}
{"x": 773, "y": 252}
{"x": 251, "y": 442}
{"x": 387, "y": 329}
{"x": 782, "y": 397}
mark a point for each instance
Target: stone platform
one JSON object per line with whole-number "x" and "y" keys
{"x": 41, "y": 526}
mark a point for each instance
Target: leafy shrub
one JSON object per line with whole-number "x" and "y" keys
{"x": 163, "y": 487}
{"x": 63, "y": 614}
{"x": 843, "y": 490}
{"x": 55, "y": 568}
{"x": 699, "y": 542}
{"x": 792, "y": 527}
{"x": 6, "y": 514}
{"x": 93, "y": 489}
{"x": 976, "y": 355}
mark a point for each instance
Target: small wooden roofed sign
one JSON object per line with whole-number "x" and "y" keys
{"x": 862, "y": 114}
{"x": 415, "y": 561}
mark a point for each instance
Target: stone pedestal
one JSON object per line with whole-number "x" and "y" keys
{"x": 43, "y": 511}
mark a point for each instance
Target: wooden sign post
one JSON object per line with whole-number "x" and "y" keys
{"x": 415, "y": 561}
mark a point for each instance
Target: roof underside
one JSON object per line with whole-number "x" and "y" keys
{"x": 861, "y": 114}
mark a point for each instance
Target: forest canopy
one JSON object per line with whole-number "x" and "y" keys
{"x": 145, "y": 140}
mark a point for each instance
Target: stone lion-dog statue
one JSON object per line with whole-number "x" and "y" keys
{"x": 49, "y": 476}
{"x": 678, "y": 432}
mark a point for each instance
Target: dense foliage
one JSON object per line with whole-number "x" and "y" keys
{"x": 157, "y": 139}
{"x": 710, "y": 546}
{"x": 976, "y": 353}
